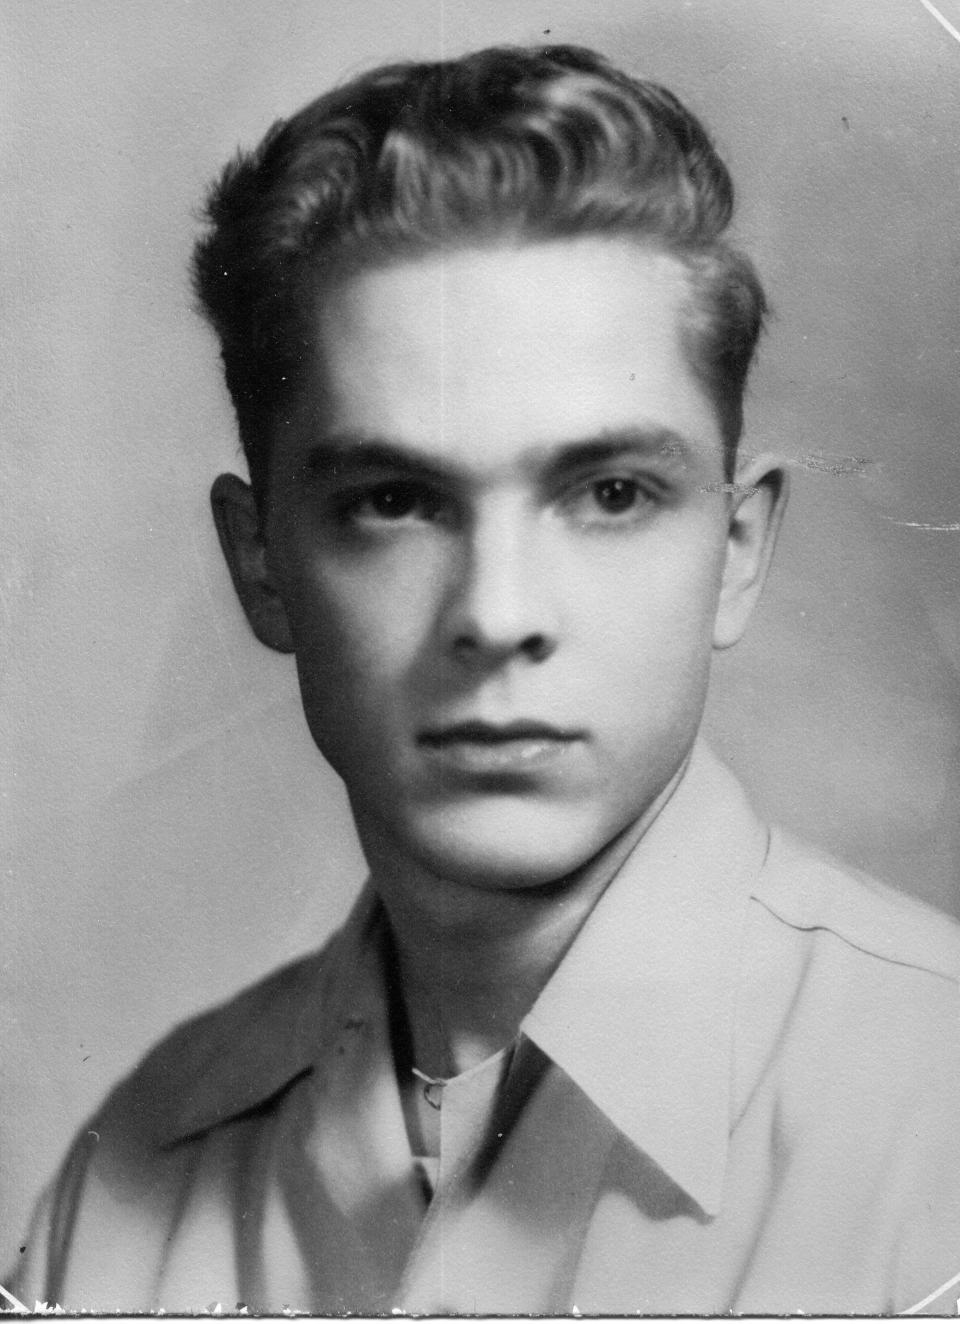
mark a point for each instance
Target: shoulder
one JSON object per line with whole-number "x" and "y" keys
{"x": 231, "y": 1055}
{"x": 850, "y": 989}
{"x": 226, "y": 1061}
{"x": 847, "y": 1060}
{"x": 123, "y": 1179}
{"x": 193, "y": 1099}
{"x": 809, "y": 891}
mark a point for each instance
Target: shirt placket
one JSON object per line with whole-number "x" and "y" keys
{"x": 517, "y": 1183}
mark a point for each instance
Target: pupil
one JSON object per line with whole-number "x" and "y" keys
{"x": 616, "y": 494}
{"x": 393, "y": 501}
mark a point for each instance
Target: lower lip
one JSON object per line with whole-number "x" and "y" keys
{"x": 500, "y": 756}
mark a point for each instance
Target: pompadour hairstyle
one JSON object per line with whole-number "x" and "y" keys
{"x": 507, "y": 145}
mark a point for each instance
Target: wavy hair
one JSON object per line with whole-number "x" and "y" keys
{"x": 508, "y": 145}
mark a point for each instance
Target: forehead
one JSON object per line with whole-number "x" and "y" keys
{"x": 483, "y": 350}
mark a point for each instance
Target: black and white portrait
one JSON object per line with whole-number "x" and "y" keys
{"x": 480, "y": 656}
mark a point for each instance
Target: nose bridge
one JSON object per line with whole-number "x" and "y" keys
{"x": 502, "y": 600}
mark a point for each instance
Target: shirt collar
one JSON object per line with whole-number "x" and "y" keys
{"x": 639, "y": 1014}
{"x": 238, "y": 1056}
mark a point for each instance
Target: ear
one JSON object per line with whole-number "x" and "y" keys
{"x": 240, "y": 532}
{"x": 756, "y": 510}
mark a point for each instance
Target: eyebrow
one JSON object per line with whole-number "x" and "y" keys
{"x": 352, "y": 454}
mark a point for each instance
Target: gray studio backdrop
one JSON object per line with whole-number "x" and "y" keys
{"x": 168, "y": 831}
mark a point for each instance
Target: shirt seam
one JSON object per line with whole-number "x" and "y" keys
{"x": 821, "y": 927}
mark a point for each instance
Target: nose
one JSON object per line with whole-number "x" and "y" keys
{"x": 500, "y": 606}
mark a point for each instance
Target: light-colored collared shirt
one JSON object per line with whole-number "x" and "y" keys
{"x": 740, "y": 1091}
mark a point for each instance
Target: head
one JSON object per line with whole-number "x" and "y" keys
{"x": 488, "y": 347}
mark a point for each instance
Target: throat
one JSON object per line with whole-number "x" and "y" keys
{"x": 454, "y": 1064}
{"x": 458, "y": 996}
{"x": 461, "y": 983}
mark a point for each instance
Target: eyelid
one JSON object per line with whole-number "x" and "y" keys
{"x": 348, "y": 499}
{"x": 612, "y": 472}
{"x": 581, "y": 506}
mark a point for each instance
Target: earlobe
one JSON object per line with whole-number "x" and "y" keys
{"x": 239, "y": 529}
{"x": 755, "y": 515}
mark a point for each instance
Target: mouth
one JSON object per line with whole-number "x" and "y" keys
{"x": 485, "y": 747}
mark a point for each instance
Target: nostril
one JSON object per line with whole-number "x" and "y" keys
{"x": 536, "y": 647}
{"x": 474, "y": 648}
{"x": 465, "y": 645}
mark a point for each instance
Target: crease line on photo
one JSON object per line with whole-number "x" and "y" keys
{"x": 944, "y": 22}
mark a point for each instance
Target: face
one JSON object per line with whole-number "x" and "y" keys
{"x": 498, "y": 539}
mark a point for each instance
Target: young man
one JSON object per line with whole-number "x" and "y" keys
{"x": 593, "y": 1037}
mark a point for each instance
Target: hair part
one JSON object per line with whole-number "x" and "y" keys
{"x": 504, "y": 145}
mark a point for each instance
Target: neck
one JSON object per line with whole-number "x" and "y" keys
{"x": 471, "y": 961}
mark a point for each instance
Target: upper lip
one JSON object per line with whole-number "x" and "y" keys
{"x": 491, "y": 733}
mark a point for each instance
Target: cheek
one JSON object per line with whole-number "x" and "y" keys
{"x": 359, "y": 625}
{"x": 346, "y": 670}
{"x": 662, "y": 594}
{"x": 648, "y": 625}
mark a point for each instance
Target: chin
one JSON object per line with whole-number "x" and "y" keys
{"x": 514, "y": 846}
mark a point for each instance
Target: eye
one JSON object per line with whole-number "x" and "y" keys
{"x": 613, "y": 500}
{"x": 391, "y": 502}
